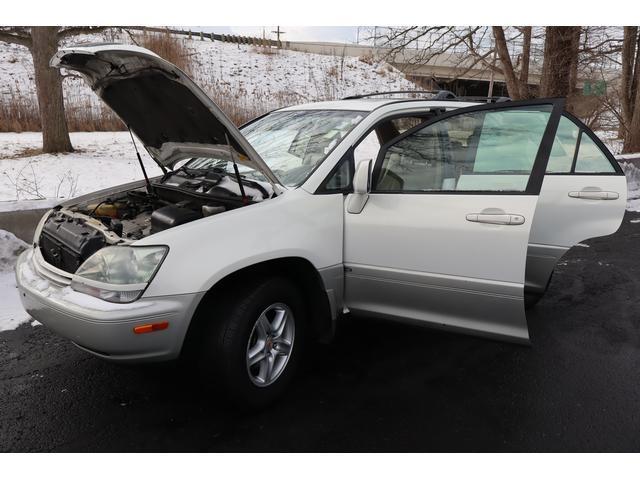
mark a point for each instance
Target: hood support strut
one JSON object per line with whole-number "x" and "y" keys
{"x": 144, "y": 170}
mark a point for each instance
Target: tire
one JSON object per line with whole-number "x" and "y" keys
{"x": 531, "y": 299}
{"x": 236, "y": 335}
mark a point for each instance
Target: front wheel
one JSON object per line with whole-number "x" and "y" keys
{"x": 252, "y": 342}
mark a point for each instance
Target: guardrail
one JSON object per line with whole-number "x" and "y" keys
{"x": 220, "y": 37}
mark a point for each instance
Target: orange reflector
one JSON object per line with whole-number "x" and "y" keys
{"x": 151, "y": 327}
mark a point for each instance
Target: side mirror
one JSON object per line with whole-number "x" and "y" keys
{"x": 361, "y": 187}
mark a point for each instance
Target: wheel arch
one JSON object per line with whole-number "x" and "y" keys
{"x": 297, "y": 269}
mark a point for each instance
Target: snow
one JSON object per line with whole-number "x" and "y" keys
{"x": 611, "y": 140}
{"x": 628, "y": 156}
{"x": 241, "y": 72}
{"x": 632, "y": 172}
{"x": 101, "y": 160}
{"x": 11, "y": 314}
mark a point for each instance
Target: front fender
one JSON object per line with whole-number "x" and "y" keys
{"x": 203, "y": 252}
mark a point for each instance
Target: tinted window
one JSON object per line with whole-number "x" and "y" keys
{"x": 369, "y": 147}
{"x": 406, "y": 123}
{"x": 591, "y": 159}
{"x": 564, "y": 147}
{"x": 479, "y": 151}
{"x": 341, "y": 178}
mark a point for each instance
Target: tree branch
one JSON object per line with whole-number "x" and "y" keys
{"x": 13, "y": 36}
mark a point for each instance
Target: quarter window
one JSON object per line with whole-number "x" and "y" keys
{"x": 479, "y": 151}
{"x": 340, "y": 181}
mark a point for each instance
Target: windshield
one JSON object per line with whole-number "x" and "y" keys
{"x": 293, "y": 143}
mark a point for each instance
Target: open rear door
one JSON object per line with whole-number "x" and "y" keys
{"x": 584, "y": 195}
{"x": 443, "y": 235}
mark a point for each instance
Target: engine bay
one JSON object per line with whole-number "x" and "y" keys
{"x": 72, "y": 234}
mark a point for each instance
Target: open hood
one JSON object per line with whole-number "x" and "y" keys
{"x": 170, "y": 114}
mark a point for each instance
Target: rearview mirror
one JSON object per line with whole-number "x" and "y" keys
{"x": 361, "y": 187}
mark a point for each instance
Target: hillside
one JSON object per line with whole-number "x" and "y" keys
{"x": 244, "y": 79}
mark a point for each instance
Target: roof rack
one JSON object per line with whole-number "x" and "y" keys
{"x": 493, "y": 99}
{"x": 437, "y": 94}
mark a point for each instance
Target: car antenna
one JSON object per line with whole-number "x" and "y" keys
{"x": 235, "y": 169}
{"x": 144, "y": 171}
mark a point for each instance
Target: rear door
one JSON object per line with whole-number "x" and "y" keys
{"x": 443, "y": 236}
{"x": 584, "y": 195}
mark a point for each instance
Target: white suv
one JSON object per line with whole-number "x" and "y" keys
{"x": 255, "y": 240}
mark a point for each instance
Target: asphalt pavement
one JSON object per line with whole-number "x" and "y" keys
{"x": 379, "y": 387}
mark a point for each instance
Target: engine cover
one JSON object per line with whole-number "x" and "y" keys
{"x": 172, "y": 216}
{"x": 66, "y": 242}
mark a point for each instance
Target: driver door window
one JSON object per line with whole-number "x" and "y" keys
{"x": 368, "y": 149}
{"x": 492, "y": 151}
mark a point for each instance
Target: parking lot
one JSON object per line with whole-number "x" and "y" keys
{"x": 379, "y": 387}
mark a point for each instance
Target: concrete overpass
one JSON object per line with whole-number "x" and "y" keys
{"x": 460, "y": 73}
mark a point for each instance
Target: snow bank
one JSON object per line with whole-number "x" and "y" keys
{"x": 10, "y": 247}
{"x": 11, "y": 312}
{"x": 101, "y": 160}
{"x": 632, "y": 172}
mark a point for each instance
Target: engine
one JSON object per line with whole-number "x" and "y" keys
{"x": 66, "y": 242}
{"x": 71, "y": 235}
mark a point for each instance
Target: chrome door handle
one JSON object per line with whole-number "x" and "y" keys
{"x": 496, "y": 218}
{"x": 594, "y": 195}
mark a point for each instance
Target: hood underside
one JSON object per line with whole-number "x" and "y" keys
{"x": 166, "y": 110}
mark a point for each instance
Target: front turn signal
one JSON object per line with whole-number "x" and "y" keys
{"x": 151, "y": 327}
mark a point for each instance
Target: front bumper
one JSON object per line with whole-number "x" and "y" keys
{"x": 102, "y": 328}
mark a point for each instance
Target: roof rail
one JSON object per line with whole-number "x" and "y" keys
{"x": 493, "y": 99}
{"x": 437, "y": 94}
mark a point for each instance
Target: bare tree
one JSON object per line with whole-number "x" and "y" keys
{"x": 559, "y": 69}
{"x": 517, "y": 90}
{"x": 630, "y": 96}
{"x": 474, "y": 45}
{"x": 43, "y": 43}
{"x": 526, "y": 60}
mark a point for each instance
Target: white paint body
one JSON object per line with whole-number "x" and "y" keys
{"x": 409, "y": 257}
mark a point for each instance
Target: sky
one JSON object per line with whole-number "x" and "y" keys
{"x": 324, "y": 34}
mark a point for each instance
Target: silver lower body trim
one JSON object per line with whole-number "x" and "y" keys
{"x": 477, "y": 306}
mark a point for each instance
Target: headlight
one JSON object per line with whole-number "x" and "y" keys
{"x": 120, "y": 273}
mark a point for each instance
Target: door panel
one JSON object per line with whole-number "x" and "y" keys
{"x": 563, "y": 220}
{"x": 443, "y": 237}
{"x": 417, "y": 257}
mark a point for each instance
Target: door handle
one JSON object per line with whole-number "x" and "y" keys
{"x": 496, "y": 218}
{"x": 594, "y": 195}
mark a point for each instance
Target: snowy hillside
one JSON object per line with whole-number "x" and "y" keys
{"x": 268, "y": 77}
